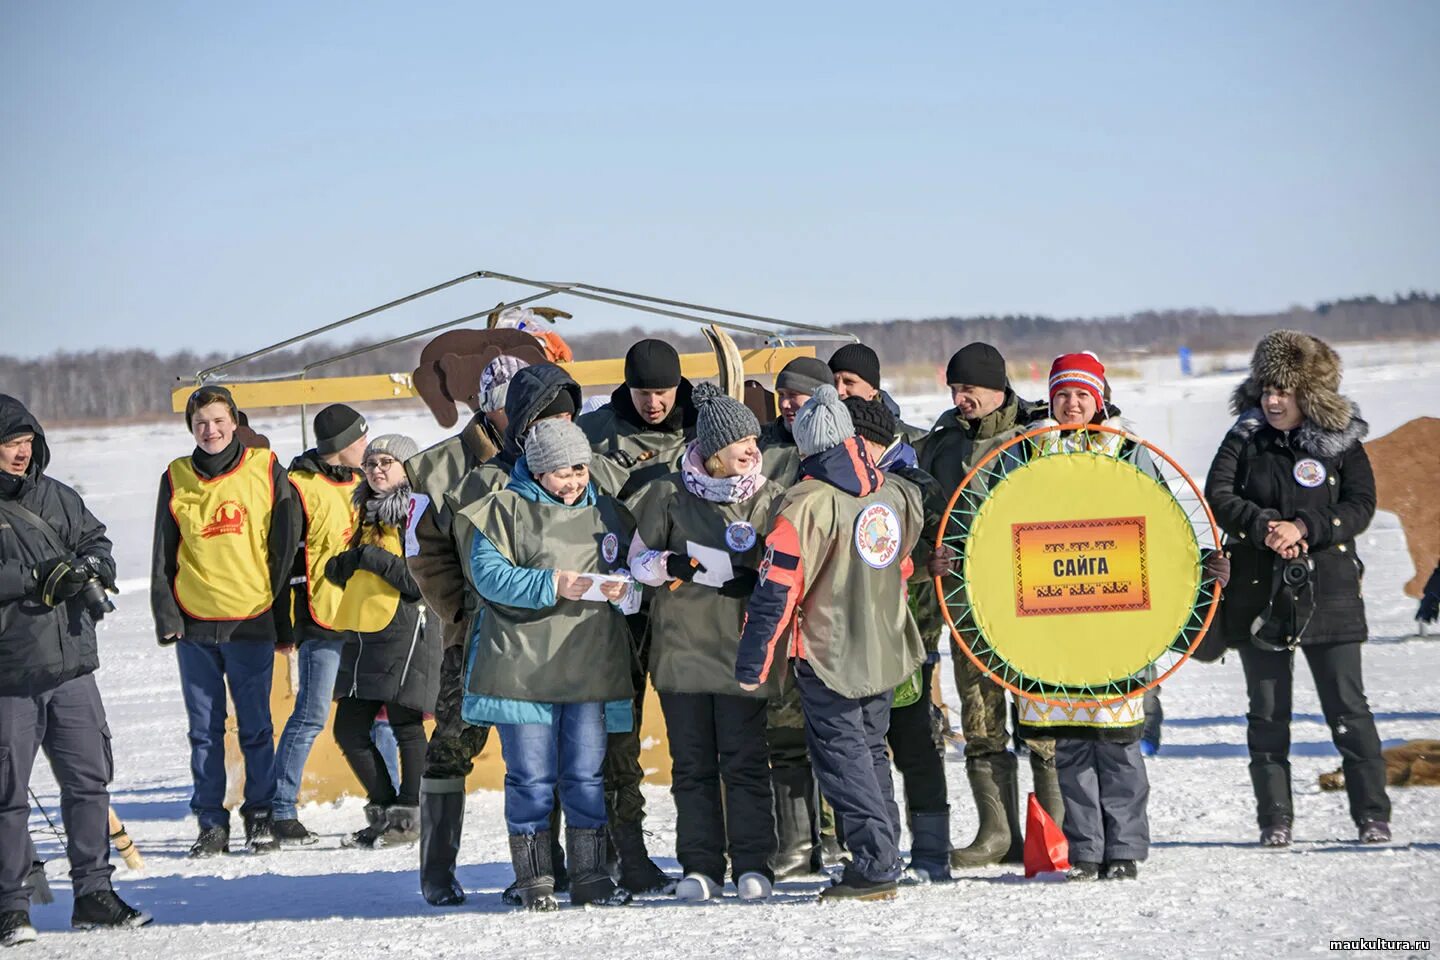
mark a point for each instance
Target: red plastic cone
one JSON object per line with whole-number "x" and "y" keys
{"x": 1045, "y": 846}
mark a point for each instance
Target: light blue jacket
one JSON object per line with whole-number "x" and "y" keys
{"x": 500, "y": 581}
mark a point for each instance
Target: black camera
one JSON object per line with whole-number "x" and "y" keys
{"x": 97, "y": 588}
{"x": 1296, "y": 573}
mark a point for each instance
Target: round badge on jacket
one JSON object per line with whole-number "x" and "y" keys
{"x": 740, "y": 536}
{"x": 877, "y": 535}
{"x": 610, "y": 547}
{"x": 1309, "y": 473}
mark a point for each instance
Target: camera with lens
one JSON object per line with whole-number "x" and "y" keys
{"x": 94, "y": 593}
{"x": 1296, "y": 573}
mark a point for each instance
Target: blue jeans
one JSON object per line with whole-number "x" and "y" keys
{"x": 205, "y": 668}
{"x": 319, "y": 662}
{"x": 568, "y": 752}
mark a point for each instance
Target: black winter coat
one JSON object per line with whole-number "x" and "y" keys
{"x": 42, "y": 647}
{"x": 1254, "y": 480}
{"x": 401, "y": 663}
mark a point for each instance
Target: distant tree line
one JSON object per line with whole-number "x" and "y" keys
{"x": 101, "y": 385}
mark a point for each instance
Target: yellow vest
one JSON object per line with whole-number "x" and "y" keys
{"x": 330, "y": 519}
{"x": 369, "y": 602}
{"x": 222, "y": 564}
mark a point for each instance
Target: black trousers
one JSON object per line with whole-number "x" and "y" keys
{"x": 916, "y": 754}
{"x": 623, "y": 773}
{"x": 353, "y": 719}
{"x": 1269, "y": 681}
{"x": 68, "y": 723}
{"x": 717, "y": 739}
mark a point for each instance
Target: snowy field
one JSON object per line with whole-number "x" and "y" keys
{"x": 1207, "y": 890}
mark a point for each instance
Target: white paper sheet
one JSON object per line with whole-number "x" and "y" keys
{"x": 718, "y": 570}
{"x": 598, "y": 579}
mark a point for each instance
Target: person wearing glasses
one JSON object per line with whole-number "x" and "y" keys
{"x": 391, "y": 658}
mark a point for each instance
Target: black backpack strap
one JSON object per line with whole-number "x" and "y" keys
{"x": 19, "y": 512}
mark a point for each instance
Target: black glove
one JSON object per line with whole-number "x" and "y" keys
{"x": 341, "y": 567}
{"x": 1429, "y": 608}
{"x": 373, "y": 558}
{"x": 680, "y": 566}
{"x": 742, "y": 584}
{"x": 57, "y": 580}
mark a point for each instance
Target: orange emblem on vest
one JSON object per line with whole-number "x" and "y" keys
{"x": 229, "y": 517}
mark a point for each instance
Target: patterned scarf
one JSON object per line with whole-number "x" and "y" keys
{"x": 718, "y": 489}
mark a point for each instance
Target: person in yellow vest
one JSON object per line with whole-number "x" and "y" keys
{"x": 325, "y": 479}
{"x": 391, "y": 659}
{"x": 226, "y": 527}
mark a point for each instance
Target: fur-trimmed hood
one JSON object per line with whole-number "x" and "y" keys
{"x": 1310, "y": 436}
{"x": 1306, "y": 366}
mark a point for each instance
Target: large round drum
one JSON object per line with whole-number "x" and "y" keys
{"x": 1081, "y": 579}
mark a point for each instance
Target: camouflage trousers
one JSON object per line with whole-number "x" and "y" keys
{"x": 983, "y": 712}
{"x": 454, "y": 744}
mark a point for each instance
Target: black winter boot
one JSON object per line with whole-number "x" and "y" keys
{"x": 368, "y": 836}
{"x": 589, "y": 881}
{"x": 1047, "y": 787}
{"x": 259, "y": 833}
{"x": 15, "y": 928}
{"x": 929, "y": 848}
{"x": 291, "y": 832}
{"x": 105, "y": 909}
{"x": 638, "y": 873}
{"x": 797, "y": 829}
{"x": 534, "y": 886}
{"x": 442, "y": 817}
{"x": 211, "y": 842}
{"x": 997, "y": 801}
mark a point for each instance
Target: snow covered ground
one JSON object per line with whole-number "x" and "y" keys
{"x": 1207, "y": 890}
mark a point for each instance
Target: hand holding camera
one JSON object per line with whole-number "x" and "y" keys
{"x": 59, "y": 579}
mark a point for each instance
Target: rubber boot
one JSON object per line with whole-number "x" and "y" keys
{"x": 1047, "y": 787}
{"x": 534, "y": 884}
{"x": 797, "y": 829}
{"x": 638, "y": 873}
{"x": 589, "y": 881}
{"x": 930, "y": 847}
{"x": 992, "y": 782}
{"x": 442, "y": 818}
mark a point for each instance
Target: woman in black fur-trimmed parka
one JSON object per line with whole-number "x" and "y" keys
{"x": 1292, "y": 488}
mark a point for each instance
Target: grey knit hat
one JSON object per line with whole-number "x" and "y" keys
{"x": 804, "y": 375}
{"x": 395, "y": 445}
{"x": 554, "y": 445}
{"x": 822, "y": 423}
{"x": 720, "y": 420}
{"x": 495, "y": 381}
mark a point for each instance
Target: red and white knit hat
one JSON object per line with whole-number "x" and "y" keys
{"x": 1079, "y": 370}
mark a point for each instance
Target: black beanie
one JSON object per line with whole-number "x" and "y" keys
{"x": 873, "y": 420}
{"x": 336, "y": 427}
{"x": 563, "y": 402}
{"x": 804, "y": 375}
{"x": 978, "y": 365}
{"x": 858, "y": 359}
{"x": 652, "y": 365}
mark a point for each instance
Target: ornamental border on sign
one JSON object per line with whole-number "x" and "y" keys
{"x": 1015, "y": 535}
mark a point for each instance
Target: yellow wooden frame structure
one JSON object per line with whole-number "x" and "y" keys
{"x": 765, "y": 361}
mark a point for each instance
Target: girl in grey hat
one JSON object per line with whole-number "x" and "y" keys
{"x": 698, "y": 540}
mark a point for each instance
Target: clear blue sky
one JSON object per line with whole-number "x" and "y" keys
{"x": 205, "y": 175}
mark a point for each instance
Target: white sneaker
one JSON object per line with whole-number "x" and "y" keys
{"x": 754, "y": 886}
{"x": 697, "y": 887}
